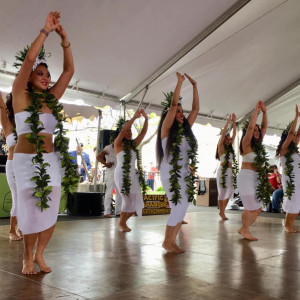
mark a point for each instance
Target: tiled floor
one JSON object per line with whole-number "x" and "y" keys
{"x": 91, "y": 259}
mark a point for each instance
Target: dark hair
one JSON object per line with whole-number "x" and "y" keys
{"x": 172, "y": 135}
{"x": 229, "y": 146}
{"x": 10, "y": 110}
{"x": 253, "y": 140}
{"x": 284, "y": 136}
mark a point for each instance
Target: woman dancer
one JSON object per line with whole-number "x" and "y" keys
{"x": 8, "y": 125}
{"x": 225, "y": 154}
{"x": 37, "y": 218}
{"x": 290, "y": 161}
{"x": 175, "y": 147}
{"x": 248, "y": 176}
{"x": 126, "y": 179}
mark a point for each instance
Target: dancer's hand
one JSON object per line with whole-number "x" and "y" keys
{"x": 192, "y": 81}
{"x": 144, "y": 113}
{"x": 109, "y": 165}
{"x": 52, "y": 21}
{"x": 137, "y": 114}
{"x": 229, "y": 119}
{"x": 233, "y": 117}
{"x": 61, "y": 32}
{"x": 297, "y": 110}
{"x": 180, "y": 77}
{"x": 263, "y": 107}
{"x": 257, "y": 107}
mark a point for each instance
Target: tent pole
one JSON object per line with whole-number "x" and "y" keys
{"x": 146, "y": 90}
{"x": 97, "y": 148}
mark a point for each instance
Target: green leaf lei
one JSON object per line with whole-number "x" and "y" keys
{"x": 130, "y": 145}
{"x": 70, "y": 180}
{"x": 175, "y": 171}
{"x": 263, "y": 190}
{"x": 235, "y": 167}
{"x": 288, "y": 170}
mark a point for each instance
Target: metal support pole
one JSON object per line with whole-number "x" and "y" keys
{"x": 97, "y": 148}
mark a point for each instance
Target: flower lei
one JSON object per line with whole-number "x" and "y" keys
{"x": 263, "y": 189}
{"x": 128, "y": 145}
{"x": 288, "y": 170}
{"x": 70, "y": 180}
{"x": 235, "y": 167}
{"x": 175, "y": 171}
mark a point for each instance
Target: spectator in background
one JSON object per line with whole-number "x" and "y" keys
{"x": 2, "y": 143}
{"x": 275, "y": 180}
{"x": 77, "y": 160}
{"x": 151, "y": 176}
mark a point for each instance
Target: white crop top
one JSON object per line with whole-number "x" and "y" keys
{"x": 48, "y": 120}
{"x": 10, "y": 140}
{"x": 222, "y": 158}
{"x": 250, "y": 157}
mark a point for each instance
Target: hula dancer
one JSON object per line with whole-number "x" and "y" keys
{"x": 37, "y": 168}
{"x": 288, "y": 152}
{"x": 226, "y": 174}
{"x": 127, "y": 181}
{"x": 176, "y": 150}
{"x": 253, "y": 184}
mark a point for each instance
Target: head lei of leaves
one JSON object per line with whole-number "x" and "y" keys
{"x": 168, "y": 100}
{"x": 20, "y": 57}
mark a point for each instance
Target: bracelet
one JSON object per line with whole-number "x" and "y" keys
{"x": 65, "y": 46}
{"x": 44, "y": 31}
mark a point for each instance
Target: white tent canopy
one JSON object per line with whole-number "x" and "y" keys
{"x": 237, "y": 51}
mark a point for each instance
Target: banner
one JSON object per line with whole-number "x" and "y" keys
{"x": 156, "y": 205}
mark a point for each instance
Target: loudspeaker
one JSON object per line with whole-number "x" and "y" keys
{"x": 104, "y": 138}
{"x": 85, "y": 204}
{"x": 210, "y": 196}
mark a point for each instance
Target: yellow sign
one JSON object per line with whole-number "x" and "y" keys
{"x": 156, "y": 205}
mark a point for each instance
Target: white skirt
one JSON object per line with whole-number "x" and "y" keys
{"x": 11, "y": 180}
{"x": 31, "y": 219}
{"x": 247, "y": 183}
{"x": 225, "y": 193}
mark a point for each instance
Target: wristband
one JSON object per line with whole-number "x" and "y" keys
{"x": 65, "y": 46}
{"x": 45, "y": 32}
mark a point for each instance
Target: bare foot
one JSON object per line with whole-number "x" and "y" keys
{"x": 124, "y": 228}
{"x": 180, "y": 250}
{"x": 28, "y": 267}
{"x": 42, "y": 265}
{"x": 169, "y": 247}
{"x": 184, "y": 222}
{"x": 223, "y": 217}
{"x": 19, "y": 233}
{"x": 246, "y": 234}
{"x": 14, "y": 237}
{"x": 108, "y": 216}
{"x": 290, "y": 229}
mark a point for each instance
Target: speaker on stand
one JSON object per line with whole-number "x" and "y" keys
{"x": 104, "y": 138}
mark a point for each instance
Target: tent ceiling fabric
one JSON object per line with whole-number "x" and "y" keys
{"x": 118, "y": 44}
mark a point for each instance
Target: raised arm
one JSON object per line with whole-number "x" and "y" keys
{"x": 251, "y": 126}
{"x": 3, "y": 117}
{"x": 222, "y": 138}
{"x": 291, "y": 133}
{"x": 127, "y": 126}
{"x": 264, "y": 122}
{"x": 234, "y": 127}
{"x": 196, "y": 106}
{"x": 168, "y": 121}
{"x": 142, "y": 134}
{"x": 20, "y": 83}
{"x": 68, "y": 66}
